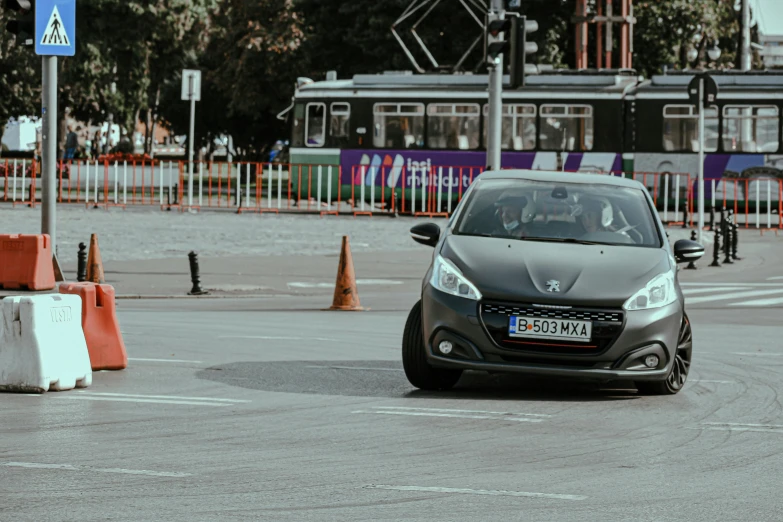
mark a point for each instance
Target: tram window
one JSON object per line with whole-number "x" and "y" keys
{"x": 681, "y": 128}
{"x": 519, "y": 127}
{"x": 750, "y": 128}
{"x": 398, "y": 125}
{"x": 453, "y": 126}
{"x": 566, "y": 127}
{"x": 297, "y": 138}
{"x": 315, "y": 126}
{"x": 341, "y": 113}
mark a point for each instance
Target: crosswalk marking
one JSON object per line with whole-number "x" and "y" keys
{"x": 732, "y": 295}
{"x": 762, "y": 302}
{"x": 705, "y": 290}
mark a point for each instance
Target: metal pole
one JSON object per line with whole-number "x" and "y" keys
{"x": 49, "y": 149}
{"x": 745, "y": 62}
{"x": 700, "y": 181}
{"x": 190, "y": 140}
{"x": 495, "y": 98}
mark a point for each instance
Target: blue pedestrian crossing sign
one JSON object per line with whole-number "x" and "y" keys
{"x": 55, "y": 27}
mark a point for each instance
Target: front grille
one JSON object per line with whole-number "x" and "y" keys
{"x": 531, "y": 310}
{"x": 606, "y": 327}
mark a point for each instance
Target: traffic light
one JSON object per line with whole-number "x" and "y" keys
{"x": 23, "y": 26}
{"x": 506, "y": 26}
{"x": 520, "y": 48}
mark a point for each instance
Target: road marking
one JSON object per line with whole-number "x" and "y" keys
{"x": 173, "y": 397}
{"x": 455, "y": 414}
{"x": 461, "y": 411}
{"x": 738, "y": 426}
{"x": 774, "y": 278}
{"x": 139, "y": 400}
{"x": 501, "y": 493}
{"x": 771, "y": 426}
{"x": 714, "y": 283}
{"x": 275, "y": 338}
{"x": 716, "y": 382}
{"x": 378, "y": 282}
{"x": 732, "y": 295}
{"x": 69, "y": 467}
{"x": 358, "y": 368}
{"x": 365, "y": 282}
{"x": 692, "y": 291}
{"x": 761, "y": 302}
{"x": 762, "y": 354}
{"x": 162, "y": 360}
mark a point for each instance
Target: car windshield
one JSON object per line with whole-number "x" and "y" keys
{"x": 555, "y": 211}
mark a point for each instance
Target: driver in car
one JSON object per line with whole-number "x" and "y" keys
{"x": 510, "y": 210}
{"x": 593, "y": 216}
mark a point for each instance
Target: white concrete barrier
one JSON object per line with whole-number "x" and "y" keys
{"x": 42, "y": 345}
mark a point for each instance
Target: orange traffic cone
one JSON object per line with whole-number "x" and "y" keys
{"x": 94, "y": 262}
{"x": 345, "y": 295}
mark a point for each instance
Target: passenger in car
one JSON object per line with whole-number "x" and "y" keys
{"x": 511, "y": 211}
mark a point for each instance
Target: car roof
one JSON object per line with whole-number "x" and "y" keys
{"x": 562, "y": 177}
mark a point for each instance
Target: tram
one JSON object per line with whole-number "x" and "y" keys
{"x": 391, "y": 133}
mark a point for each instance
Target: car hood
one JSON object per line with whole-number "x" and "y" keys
{"x": 588, "y": 275}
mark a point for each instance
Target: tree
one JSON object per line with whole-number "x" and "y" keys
{"x": 20, "y": 83}
{"x": 666, "y": 30}
{"x": 249, "y": 65}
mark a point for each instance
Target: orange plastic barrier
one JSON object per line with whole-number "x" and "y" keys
{"x": 26, "y": 262}
{"x": 100, "y": 325}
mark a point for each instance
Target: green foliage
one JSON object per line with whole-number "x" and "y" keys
{"x": 665, "y": 31}
{"x": 20, "y": 76}
{"x": 250, "y": 53}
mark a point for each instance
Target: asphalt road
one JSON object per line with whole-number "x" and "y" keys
{"x": 235, "y": 413}
{"x": 269, "y": 408}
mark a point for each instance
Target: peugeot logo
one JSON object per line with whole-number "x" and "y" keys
{"x": 552, "y": 286}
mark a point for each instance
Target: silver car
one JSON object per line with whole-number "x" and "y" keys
{"x": 554, "y": 274}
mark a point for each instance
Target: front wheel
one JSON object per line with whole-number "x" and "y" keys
{"x": 414, "y": 358}
{"x": 682, "y": 365}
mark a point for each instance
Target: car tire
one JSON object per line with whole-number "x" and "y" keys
{"x": 678, "y": 375}
{"x": 414, "y": 358}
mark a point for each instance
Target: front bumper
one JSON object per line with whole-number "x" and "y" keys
{"x": 459, "y": 320}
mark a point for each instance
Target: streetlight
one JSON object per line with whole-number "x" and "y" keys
{"x": 692, "y": 55}
{"x": 714, "y": 52}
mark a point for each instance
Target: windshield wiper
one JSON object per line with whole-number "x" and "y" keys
{"x": 562, "y": 240}
{"x": 476, "y": 234}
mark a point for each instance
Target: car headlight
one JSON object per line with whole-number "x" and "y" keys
{"x": 655, "y": 294}
{"x": 446, "y": 277}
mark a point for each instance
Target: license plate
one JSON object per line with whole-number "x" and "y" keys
{"x": 543, "y": 328}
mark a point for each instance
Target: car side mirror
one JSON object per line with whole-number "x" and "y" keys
{"x": 686, "y": 250}
{"x": 426, "y": 234}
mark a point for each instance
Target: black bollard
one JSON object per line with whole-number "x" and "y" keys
{"x": 691, "y": 266}
{"x": 712, "y": 219}
{"x": 716, "y": 249}
{"x": 734, "y": 242}
{"x": 196, "y": 290}
{"x": 81, "y": 265}
{"x": 685, "y": 214}
{"x": 168, "y": 200}
{"x": 727, "y": 239}
{"x": 176, "y": 194}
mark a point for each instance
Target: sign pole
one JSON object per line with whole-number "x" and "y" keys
{"x": 700, "y": 179}
{"x": 190, "y": 139}
{"x": 49, "y": 149}
{"x": 495, "y": 99}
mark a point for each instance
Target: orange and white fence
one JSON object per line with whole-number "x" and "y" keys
{"x": 418, "y": 190}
